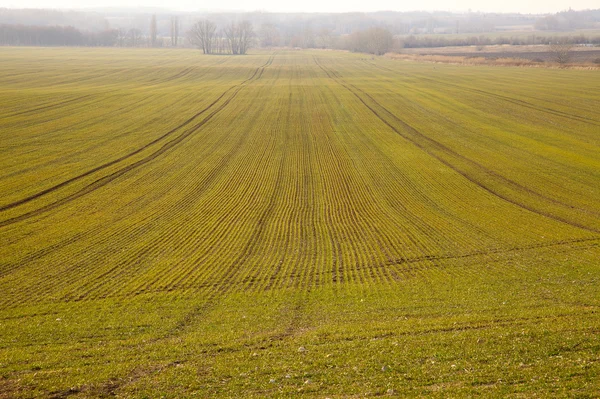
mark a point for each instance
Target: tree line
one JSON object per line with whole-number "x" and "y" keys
{"x": 20, "y": 35}
{"x": 222, "y": 34}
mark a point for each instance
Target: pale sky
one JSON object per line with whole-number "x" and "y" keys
{"x": 523, "y": 6}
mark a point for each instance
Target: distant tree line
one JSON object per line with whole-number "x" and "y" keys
{"x": 569, "y": 20}
{"x": 19, "y": 35}
{"x": 374, "y": 33}
{"x": 413, "y": 41}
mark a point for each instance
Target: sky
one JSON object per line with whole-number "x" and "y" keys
{"x": 522, "y": 6}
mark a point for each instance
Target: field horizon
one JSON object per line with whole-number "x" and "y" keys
{"x": 296, "y": 224}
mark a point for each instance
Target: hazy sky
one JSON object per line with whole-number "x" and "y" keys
{"x": 523, "y": 6}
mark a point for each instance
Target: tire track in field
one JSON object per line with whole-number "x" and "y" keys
{"x": 490, "y": 172}
{"x": 106, "y": 179}
{"x": 518, "y": 102}
{"x": 213, "y": 174}
{"x": 224, "y": 287}
{"x": 389, "y": 195}
{"x": 500, "y": 251}
{"x": 144, "y": 284}
{"x": 186, "y": 72}
{"x": 133, "y": 153}
{"x": 435, "y": 144}
{"x": 249, "y": 248}
{"x": 50, "y": 106}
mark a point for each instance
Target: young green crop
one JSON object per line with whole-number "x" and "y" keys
{"x": 295, "y": 223}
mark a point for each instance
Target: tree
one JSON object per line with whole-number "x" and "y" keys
{"x": 269, "y": 35}
{"x": 324, "y": 38}
{"x": 202, "y": 35}
{"x": 561, "y": 52}
{"x": 239, "y": 36}
{"x": 231, "y": 34}
{"x": 153, "y": 31}
{"x": 135, "y": 36}
{"x": 246, "y": 36}
{"x": 380, "y": 41}
{"x": 122, "y": 37}
{"x": 174, "y": 31}
{"x": 375, "y": 41}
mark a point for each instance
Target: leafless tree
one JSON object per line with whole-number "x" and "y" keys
{"x": 135, "y": 37}
{"x": 153, "y": 31}
{"x": 561, "y": 52}
{"x": 174, "y": 31}
{"x": 375, "y": 41}
{"x": 269, "y": 35}
{"x": 221, "y": 43}
{"x": 202, "y": 35}
{"x": 246, "y": 36}
{"x": 324, "y": 38}
{"x": 239, "y": 36}
{"x": 231, "y": 34}
{"x": 122, "y": 38}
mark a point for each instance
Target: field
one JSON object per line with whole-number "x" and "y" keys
{"x": 296, "y": 224}
{"x": 579, "y": 55}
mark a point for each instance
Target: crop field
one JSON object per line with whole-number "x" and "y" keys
{"x": 308, "y": 224}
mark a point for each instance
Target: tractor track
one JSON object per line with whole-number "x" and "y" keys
{"x": 520, "y": 103}
{"x": 107, "y": 179}
{"x": 479, "y": 166}
{"x": 443, "y": 148}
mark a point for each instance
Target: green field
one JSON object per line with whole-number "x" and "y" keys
{"x": 296, "y": 224}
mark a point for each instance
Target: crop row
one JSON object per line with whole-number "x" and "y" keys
{"x": 302, "y": 174}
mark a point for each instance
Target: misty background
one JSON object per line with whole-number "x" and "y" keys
{"x": 158, "y": 27}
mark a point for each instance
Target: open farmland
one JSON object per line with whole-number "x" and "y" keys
{"x": 313, "y": 224}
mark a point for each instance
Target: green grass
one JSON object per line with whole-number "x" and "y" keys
{"x": 311, "y": 224}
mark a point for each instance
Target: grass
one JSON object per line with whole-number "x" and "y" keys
{"x": 295, "y": 224}
{"x": 482, "y": 60}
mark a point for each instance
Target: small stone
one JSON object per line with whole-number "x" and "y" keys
{"x": 390, "y": 391}
{"x": 385, "y": 368}
{"x": 288, "y": 376}
{"x": 272, "y": 381}
{"x": 301, "y": 349}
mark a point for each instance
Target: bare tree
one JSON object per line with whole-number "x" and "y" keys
{"x": 174, "y": 31}
{"x": 135, "y": 36}
{"x": 231, "y": 34}
{"x": 122, "y": 37}
{"x": 239, "y": 36}
{"x": 246, "y": 36}
{"x": 561, "y": 52}
{"x": 202, "y": 35}
{"x": 324, "y": 38}
{"x": 269, "y": 35}
{"x": 221, "y": 43}
{"x": 153, "y": 31}
{"x": 375, "y": 41}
